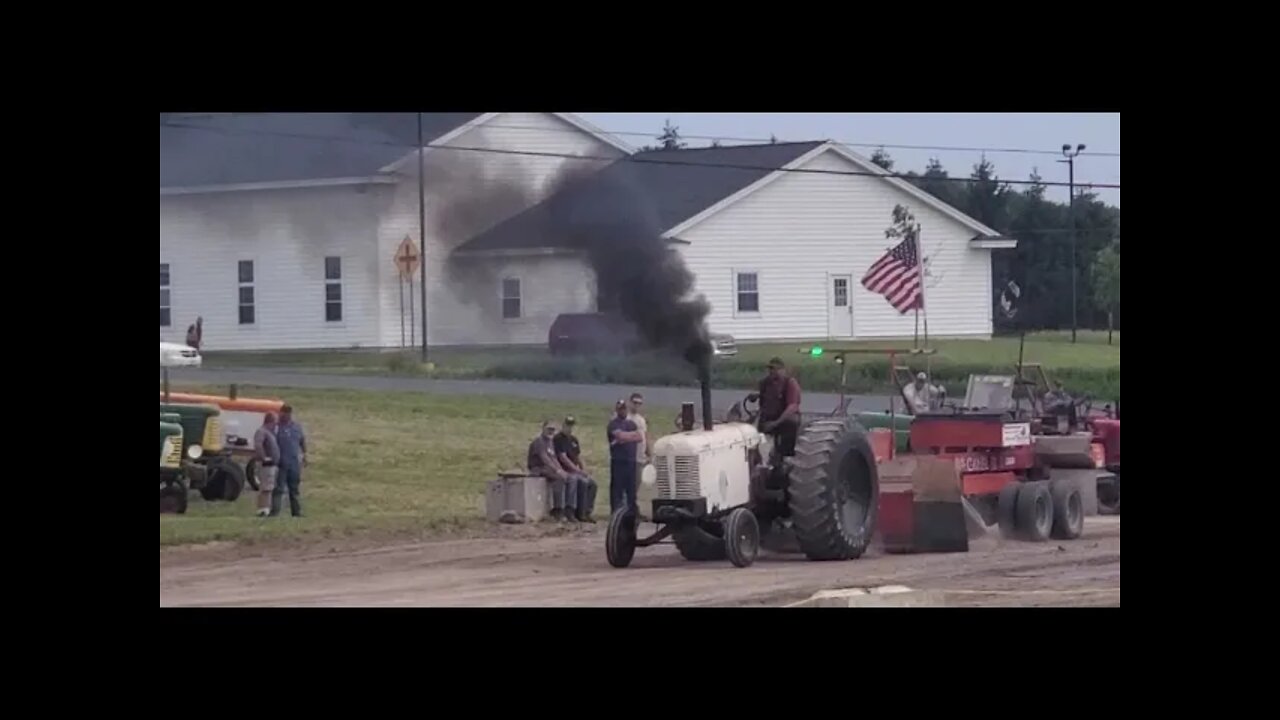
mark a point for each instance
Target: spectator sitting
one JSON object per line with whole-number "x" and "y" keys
{"x": 542, "y": 462}
{"x": 569, "y": 454}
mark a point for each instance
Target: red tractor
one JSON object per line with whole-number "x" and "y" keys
{"x": 992, "y": 460}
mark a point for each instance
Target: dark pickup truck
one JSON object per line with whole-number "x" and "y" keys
{"x": 605, "y": 334}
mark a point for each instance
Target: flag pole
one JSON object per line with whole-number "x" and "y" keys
{"x": 924, "y": 303}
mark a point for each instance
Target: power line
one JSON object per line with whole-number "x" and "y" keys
{"x": 629, "y": 158}
{"x": 887, "y": 146}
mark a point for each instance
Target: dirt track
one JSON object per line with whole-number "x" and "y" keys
{"x": 571, "y": 570}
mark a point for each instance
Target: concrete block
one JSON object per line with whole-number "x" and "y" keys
{"x": 523, "y": 498}
{"x": 883, "y": 596}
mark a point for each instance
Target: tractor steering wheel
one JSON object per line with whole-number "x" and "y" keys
{"x": 751, "y": 408}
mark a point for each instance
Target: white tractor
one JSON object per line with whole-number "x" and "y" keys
{"x": 722, "y": 490}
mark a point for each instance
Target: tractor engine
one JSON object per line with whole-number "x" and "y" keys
{"x": 705, "y": 471}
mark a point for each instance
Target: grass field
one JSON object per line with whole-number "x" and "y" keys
{"x": 1089, "y": 366}
{"x": 393, "y": 463}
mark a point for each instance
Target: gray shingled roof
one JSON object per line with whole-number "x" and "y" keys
{"x": 227, "y": 148}
{"x": 665, "y": 187}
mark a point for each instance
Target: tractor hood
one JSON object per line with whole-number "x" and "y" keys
{"x": 696, "y": 442}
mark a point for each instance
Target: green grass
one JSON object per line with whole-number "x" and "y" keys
{"x": 1089, "y": 366}
{"x": 392, "y": 463}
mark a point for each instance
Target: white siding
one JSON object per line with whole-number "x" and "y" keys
{"x": 287, "y": 234}
{"x": 463, "y": 296}
{"x": 802, "y": 227}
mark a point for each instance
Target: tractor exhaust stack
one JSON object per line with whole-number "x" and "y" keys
{"x": 686, "y": 417}
{"x": 704, "y": 379}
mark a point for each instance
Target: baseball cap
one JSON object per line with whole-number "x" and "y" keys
{"x": 570, "y": 420}
{"x": 776, "y": 362}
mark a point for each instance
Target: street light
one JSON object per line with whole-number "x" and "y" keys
{"x": 1071, "y": 215}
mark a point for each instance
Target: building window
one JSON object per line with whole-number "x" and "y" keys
{"x": 748, "y": 284}
{"x": 247, "y": 305}
{"x": 511, "y": 299}
{"x": 333, "y": 289}
{"x": 166, "y": 314}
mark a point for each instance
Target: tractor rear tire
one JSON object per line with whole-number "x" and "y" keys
{"x": 173, "y": 498}
{"x": 699, "y": 543}
{"x": 1068, "y": 511}
{"x": 251, "y": 474}
{"x": 1007, "y": 510}
{"x": 1034, "y": 511}
{"x": 833, "y": 490}
{"x": 620, "y": 538}
{"x": 741, "y": 537}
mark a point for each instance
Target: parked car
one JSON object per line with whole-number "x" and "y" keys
{"x": 175, "y": 355}
{"x": 606, "y": 333}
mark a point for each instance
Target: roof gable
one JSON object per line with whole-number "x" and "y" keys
{"x": 667, "y": 187}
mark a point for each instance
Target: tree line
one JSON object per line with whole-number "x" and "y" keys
{"x": 1041, "y": 264}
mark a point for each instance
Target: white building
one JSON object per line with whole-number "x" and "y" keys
{"x": 280, "y": 230}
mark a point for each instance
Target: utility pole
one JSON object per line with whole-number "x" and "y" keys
{"x": 422, "y": 237}
{"x": 1071, "y": 214}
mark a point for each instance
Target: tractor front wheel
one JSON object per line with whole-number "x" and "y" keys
{"x": 741, "y": 537}
{"x": 173, "y": 498}
{"x": 833, "y": 490}
{"x": 226, "y": 481}
{"x": 620, "y": 538}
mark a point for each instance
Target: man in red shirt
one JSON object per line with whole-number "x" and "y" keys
{"x": 780, "y": 407}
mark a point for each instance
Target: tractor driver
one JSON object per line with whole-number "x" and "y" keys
{"x": 780, "y": 407}
{"x": 923, "y": 396}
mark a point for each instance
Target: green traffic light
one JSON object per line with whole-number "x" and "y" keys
{"x": 816, "y": 351}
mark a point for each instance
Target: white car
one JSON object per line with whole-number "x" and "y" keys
{"x": 723, "y": 345}
{"x": 176, "y": 355}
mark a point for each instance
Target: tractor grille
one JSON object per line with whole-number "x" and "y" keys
{"x": 213, "y": 434}
{"x": 663, "y": 481}
{"x": 688, "y": 485}
{"x": 174, "y": 457}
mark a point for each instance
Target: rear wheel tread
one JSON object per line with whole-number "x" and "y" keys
{"x": 815, "y": 512}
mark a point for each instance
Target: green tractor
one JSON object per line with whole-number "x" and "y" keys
{"x": 207, "y": 464}
{"x": 173, "y": 481}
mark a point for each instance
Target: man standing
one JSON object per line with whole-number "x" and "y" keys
{"x": 623, "y": 438}
{"x": 780, "y": 407}
{"x": 266, "y": 450}
{"x": 195, "y": 333}
{"x": 643, "y": 453}
{"x": 569, "y": 453}
{"x": 543, "y": 463}
{"x": 293, "y": 456}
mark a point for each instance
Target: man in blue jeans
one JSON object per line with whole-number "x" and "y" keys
{"x": 293, "y": 456}
{"x": 624, "y": 439}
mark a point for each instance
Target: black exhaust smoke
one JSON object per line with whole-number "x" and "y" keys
{"x": 608, "y": 217}
{"x": 637, "y": 272}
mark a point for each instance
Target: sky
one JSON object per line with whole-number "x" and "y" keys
{"x": 1046, "y": 132}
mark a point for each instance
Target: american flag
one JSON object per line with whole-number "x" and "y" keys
{"x": 896, "y": 276}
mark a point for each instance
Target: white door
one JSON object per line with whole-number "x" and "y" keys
{"x": 840, "y": 306}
